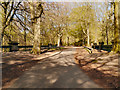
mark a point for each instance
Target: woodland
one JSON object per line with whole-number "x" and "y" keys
{"x": 59, "y": 23}
{"x": 68, "y": 25}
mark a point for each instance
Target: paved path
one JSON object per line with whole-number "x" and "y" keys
{"x": 57, "y": 71}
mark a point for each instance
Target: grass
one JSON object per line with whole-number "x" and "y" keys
{"x": 87, "y": 50}
{"x": 100, "y": 59}
{"x": 94, "y": 61}
{"x": 54, "y": 49}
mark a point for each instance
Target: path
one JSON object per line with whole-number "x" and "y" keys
{"x": 58, "y": 71}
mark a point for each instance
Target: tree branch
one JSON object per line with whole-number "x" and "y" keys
{"x": 84, "y": 32}
{"x": 2, "y": 6}
{"x": 10, "y": 11}
{"x": 11, "y": 18}
{"x": 41, "y": 12}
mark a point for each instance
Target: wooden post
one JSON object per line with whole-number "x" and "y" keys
{"x": 14, "y": 46}
{"x": 94, "y": 44}
{"x": 101, "y": 45}
{"x": 112, "y": 44}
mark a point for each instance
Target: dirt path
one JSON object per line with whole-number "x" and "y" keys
{"x": 102, "y": 67}
{"x": 58, "y": 71}
{"x": 14, "y": 64}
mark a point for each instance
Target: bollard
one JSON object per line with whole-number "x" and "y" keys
{"x": 94, "y": 44}
{"x": 14, "y": 46}
{"x": 101, "y": 45}
{"x": 112, "y": 43}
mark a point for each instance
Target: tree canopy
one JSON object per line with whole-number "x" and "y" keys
{"x": 61, "y": 23}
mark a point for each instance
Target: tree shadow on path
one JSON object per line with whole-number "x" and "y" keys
{"x": 58, "y": 71}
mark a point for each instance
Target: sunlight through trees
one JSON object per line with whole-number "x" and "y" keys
{"x": 59, "y": 23}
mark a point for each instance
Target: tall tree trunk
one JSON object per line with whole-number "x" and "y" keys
{"x": 96, "y": 36}
{"x": 3, "y": 24}
{"x": 116, "y": 30}
{"x": 36, "y": 46}
{"x": 58, "y": 41}
{"x": 25, "y": 37}
{"x": 61, "y": 43}
{"x": 88, "y": 37}
{"x": 3, "y": 32}
{"x": 35, "y": 18}
{"x": 7, "y": 18}
{"x": 68, "y": 41}
{"x": 25, "y": 27}
{"x": 106, "y": 35}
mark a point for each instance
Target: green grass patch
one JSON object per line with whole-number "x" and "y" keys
{"x": 53, "y": 49}
{"x": 94, "y": 61}
{"x": 88, "y": 50}
{"x": 61, "y": 48}
{"x": 100, "y": 59}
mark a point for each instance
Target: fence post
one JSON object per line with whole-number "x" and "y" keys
{"x": 14, "y": 46}
{"x": 94, "y": 44}
{"x": 101, "y": 45}
{"x": 112, "y": 44}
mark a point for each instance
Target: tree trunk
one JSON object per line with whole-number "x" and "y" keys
{"x": 36, "y": 46}
{"x": 58, "y": 41}
{"x": 116, "y": 30}
{"x": 106, "y": 35}
{"x": 25, "y": 27}
{"x": 3, "y": 26}
{"x": 36, "y": 27}
{"x": 36, "y": 12}
{"x": 61, "y": 43}
{"x": 7, "y": 17}
{"x": 25, "y": 37}
{"x": 67, "y": 41}
{"x": 96, "y": 36}
{"x": 88, "y": 38}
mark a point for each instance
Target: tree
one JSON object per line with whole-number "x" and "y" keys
{"x": 36, "y": 12}
{"x": 9, "y": 9}
{"x": 83, "y": 19}
{"x": 54, "y": 22}
{"x": 116, "y": 29}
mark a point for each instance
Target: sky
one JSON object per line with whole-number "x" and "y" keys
{"x": 66, "y": 0}
{"x": 77, "y": 0}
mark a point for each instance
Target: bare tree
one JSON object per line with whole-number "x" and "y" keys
{"x": 36, "y": 12}
{"x": 9, "y": 9}
{"x": 116, "y": 29}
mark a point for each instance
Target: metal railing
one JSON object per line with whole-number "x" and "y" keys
{"x": 30, "y": 46}
{"x": 103, "y": 47}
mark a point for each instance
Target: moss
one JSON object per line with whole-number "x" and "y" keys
{"x": 94, "y": 61}
{"x": 88, "y": 50}
{"x": 100, "y": 59}
{"x": 35, "y": 51}
{"x": 61, "y": 48}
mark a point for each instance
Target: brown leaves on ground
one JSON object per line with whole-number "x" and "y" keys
{"x": 15, "y": 63}
{"x": 100, "y": 66}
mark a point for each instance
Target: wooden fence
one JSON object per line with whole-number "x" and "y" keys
{"x": 16, "y": 48}
{"x": 103, "y": 47}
